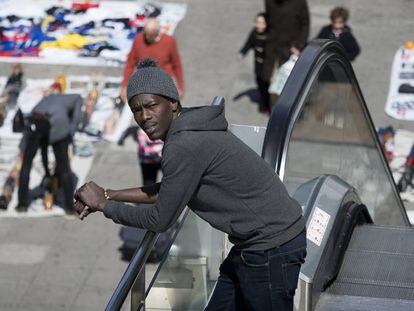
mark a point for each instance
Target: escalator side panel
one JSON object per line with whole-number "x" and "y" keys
{"x": 329, "y": 216}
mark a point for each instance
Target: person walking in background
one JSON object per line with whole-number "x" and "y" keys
{"x": 149, "y": 157}
{"x": 257, "y": 41}
{"x": 287, "y": 23}
{"x": 340, "y": 31}
{"x": 149, "y": 153}
{"x": 156, "y": 45}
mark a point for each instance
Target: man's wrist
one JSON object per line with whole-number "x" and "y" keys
{"x": 107, "y": 197}
{"x": 109, "y": 194}
{"x": 102, "y": 205}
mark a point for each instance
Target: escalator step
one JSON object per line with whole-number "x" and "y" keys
{"x": 328, "y": 302}
{"x": 387, "y": 239}
{"x": 378, "y": 263}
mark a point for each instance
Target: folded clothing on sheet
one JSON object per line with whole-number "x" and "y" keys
{"x": 87, "y": 28}
{"x": 406, "y": 88}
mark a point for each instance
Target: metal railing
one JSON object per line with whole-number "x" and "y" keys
{"x": 135, "y": 269}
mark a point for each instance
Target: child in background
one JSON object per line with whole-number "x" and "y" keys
{"x": 149, "y": 156}
{"x": 11, "y": 91}
{"x": 386, "y": 138}
{"x": 257, "y": 41}
{"x": 149, "y": 153}
{"x": 340, "y": 31}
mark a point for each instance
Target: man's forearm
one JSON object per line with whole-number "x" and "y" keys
{"x": 132, "y": 195}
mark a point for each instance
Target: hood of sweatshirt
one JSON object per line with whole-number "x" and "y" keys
{"x": 205, "y": 118}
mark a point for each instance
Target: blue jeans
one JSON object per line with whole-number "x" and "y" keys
{"x": 259, "y": 280}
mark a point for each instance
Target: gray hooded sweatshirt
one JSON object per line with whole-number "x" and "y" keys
{"x": 222, "y": 180}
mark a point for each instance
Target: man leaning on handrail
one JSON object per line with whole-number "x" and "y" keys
{"x": 224, "y": 182}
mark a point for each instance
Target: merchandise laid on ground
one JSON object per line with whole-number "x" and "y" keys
{"x": 71, "y": 33}
{"x": 401, "y": 161}
{"x": 88, "y": 33}
{"x": 400, "y": 103}
{"x": 104, "y": 116}
{"x": 321, "y": 141}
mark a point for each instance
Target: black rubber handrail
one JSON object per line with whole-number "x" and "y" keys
{"x": 288, "y": 104}
{"x": 291, "y": 102}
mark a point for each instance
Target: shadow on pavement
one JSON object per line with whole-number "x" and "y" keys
{"x": 252, "y": 94}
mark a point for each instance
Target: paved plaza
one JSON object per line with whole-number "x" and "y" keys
{"x": 67, "y": 264}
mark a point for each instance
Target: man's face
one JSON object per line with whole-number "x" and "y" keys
{"x": 260, "y": 24}
{"x": 338, "y": 23}
{"x": 151, "y": 35}
{"x": 154, "y": 114}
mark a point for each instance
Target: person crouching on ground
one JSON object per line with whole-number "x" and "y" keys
{"x": 224, "y": 182}
{"x": 53, "y": 121}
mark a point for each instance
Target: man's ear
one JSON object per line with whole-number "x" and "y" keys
{"x": 174, "y": 106}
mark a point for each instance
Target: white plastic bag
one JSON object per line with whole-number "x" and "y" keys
{"x": 281, "y": 75}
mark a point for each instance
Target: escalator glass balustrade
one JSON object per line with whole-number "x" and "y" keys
{"x": 331, "y": 135}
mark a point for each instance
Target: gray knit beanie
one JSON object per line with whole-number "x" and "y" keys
{"x": 149, "y": 78}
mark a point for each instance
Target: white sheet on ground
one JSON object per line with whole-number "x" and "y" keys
{"x": 171, "y": 15}
{"x": 401, "y": 105}
{"x": 108, "y": 89}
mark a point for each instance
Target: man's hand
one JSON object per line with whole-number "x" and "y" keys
{"x": 89, "y": 198}
{"x": 81, "y": 209}
{"x": 294, "y": 50}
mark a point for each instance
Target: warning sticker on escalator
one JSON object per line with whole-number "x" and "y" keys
{"x": 317, "y": 226}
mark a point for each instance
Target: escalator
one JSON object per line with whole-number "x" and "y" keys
{"x": 377, "y": 265}
{"x": 352, "y": 263}
{"x": 322, "y": 142}
{"x": 324, "y": 146}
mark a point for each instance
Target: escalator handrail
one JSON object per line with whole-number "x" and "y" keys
{"x": 133, "y": 270}
{"x": 137, "y": 264}
{"x": 281, "y": 116}
{"x": 291, "y": 102}
{"x": 164, "y": 256}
